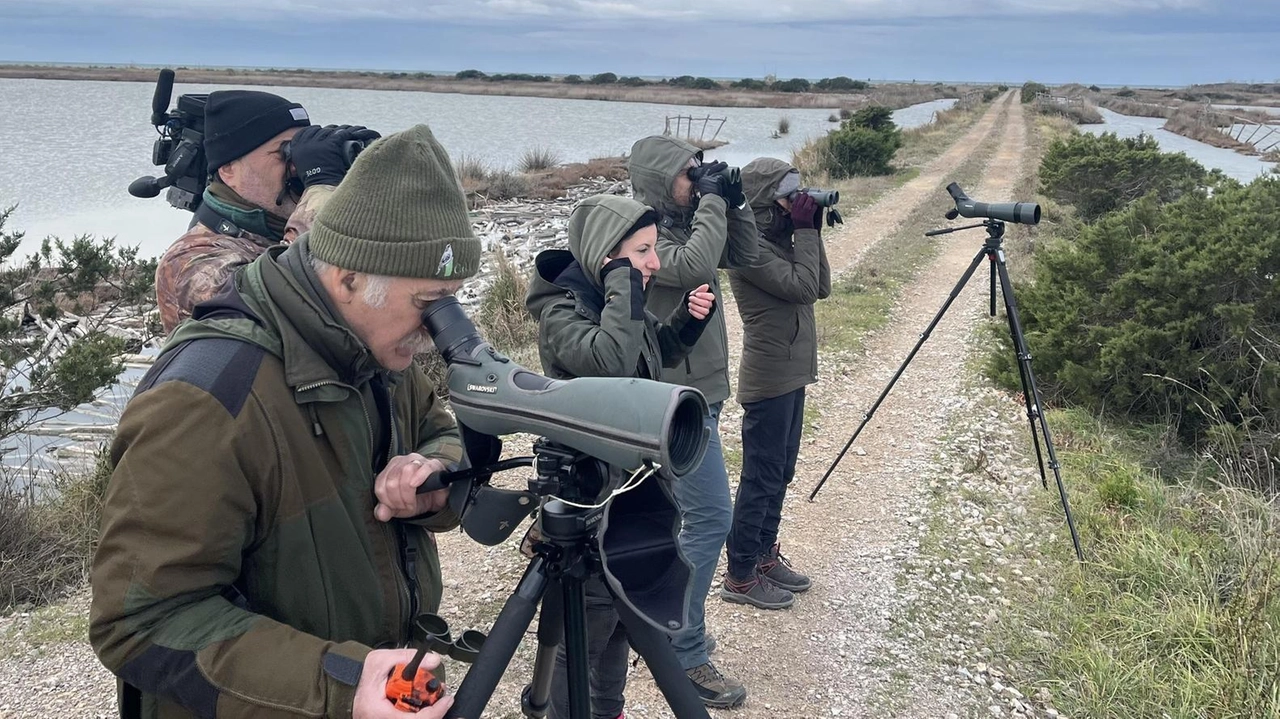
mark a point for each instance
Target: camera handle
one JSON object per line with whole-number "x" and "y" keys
{"x": 993, "y": 251}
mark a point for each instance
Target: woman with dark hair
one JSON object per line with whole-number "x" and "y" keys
{"x": 592, "y": 322}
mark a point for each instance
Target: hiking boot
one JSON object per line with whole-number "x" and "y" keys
{"x": 777, "y": 569}
{"x": 757, "y": 591}
{"x": 715, "y": 689}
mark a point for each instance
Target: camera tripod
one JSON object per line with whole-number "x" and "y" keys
{"x": 993, "y": 251}
{"x": 564, "y": 560}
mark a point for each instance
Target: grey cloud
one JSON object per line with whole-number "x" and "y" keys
{"x": 739, "y": 11}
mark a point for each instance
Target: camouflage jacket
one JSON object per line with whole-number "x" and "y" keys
{"x": 195, "y": 267}
{"x": 241, "y": 571}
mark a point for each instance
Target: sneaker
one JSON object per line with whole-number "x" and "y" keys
{"x": 777, "y": 569}
{"x": 715, "y": 689}
{"x": 756, "y": 591}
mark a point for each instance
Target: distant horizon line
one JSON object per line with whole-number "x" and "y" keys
{"x": 450, "y": 73}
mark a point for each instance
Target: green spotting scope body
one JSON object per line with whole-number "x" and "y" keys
{"x": 627, "y": 423}
{"x": 1025, "y": 213}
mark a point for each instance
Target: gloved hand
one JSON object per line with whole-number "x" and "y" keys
{"x": 805, "y": 213}
{"x": 616, "y": 263}
{"x": 318, "y": 154}
{"x": 733, "y": 194}
{"x": 709, "y": 179}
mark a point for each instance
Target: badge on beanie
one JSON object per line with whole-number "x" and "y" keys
{"x": 445, "y": 269}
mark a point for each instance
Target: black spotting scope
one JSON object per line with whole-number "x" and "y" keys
{"x": 1026, "y": 213}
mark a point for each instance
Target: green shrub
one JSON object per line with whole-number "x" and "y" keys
{"x": 840, "y": 83}
{"x": 1168, "y": 312}
{"x": 1030, "y": 89}
{"x": 572, "y": 79}
{"x": 604, "y": 78}
{"x": 748, "y": 83}
{"x": 633, "y": 81}
{"x": 863, "y": 145}
{"x": 795, "y": 84}
{"x": 470, "y": 75}
{"x": 1101, "y": 173}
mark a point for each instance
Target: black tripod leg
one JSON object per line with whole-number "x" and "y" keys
{"x": 1035, "y": 410}
{"x": 992, "y": 256}
{"x": 661, "y": 659}
{"x": 1023, "y": 360}
{"x": 536, "y": 701}
{"x": 575, "y": 647}
{"x": 955, "y": 292}
{"x": 508, "y": 630}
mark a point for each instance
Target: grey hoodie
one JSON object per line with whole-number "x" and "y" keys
{"x": 692, "y": 244}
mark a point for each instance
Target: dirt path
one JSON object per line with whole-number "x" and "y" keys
{"x": 836, "y": 653}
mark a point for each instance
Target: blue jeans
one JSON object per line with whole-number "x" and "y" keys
{"x": 706, "y": 514}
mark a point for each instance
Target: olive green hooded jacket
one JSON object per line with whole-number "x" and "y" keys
{"x": 776, "y": 295}
{"x": 241, "y": 571}
{"x": 593, "y": 327}
{"x": 692, "y": 244}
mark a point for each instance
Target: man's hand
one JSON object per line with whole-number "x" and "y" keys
{"x": 709, "y": 179}
{"x": 700, "y": 302}
{"x": 396, "y": 488}
{"x": 317, "y": 155}
{"x": 371, "y": 693}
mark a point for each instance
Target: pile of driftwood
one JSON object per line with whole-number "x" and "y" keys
{"x": 522, "y": 228}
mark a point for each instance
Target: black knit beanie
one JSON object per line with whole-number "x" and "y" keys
{"x": 238, "y": 121}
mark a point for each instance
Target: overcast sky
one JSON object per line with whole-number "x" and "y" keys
{"x": 1154, "y": 42}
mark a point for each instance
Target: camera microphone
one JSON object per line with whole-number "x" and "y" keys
{"x": 148, "y": 186}
{"x": 160, "y": 100}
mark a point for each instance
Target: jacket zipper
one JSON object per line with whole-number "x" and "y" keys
{"x": 406, "y": 584}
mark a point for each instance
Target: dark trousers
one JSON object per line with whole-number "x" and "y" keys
{"x": 770, "y": 444}
{"x": 607, "y": 651}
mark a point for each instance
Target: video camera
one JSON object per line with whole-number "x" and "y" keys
{"x": 179, "y": 149}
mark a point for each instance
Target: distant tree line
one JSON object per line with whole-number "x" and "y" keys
{"x": 795, "y": 84}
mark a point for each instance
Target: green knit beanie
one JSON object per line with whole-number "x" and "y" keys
{"x": 399, "y": 212}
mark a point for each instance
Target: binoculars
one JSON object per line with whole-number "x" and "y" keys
{"x": 824, "y": 198}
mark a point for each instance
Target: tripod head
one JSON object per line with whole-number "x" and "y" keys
{"x": 995, "y": 228}
{"x": 632, "y": 527}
